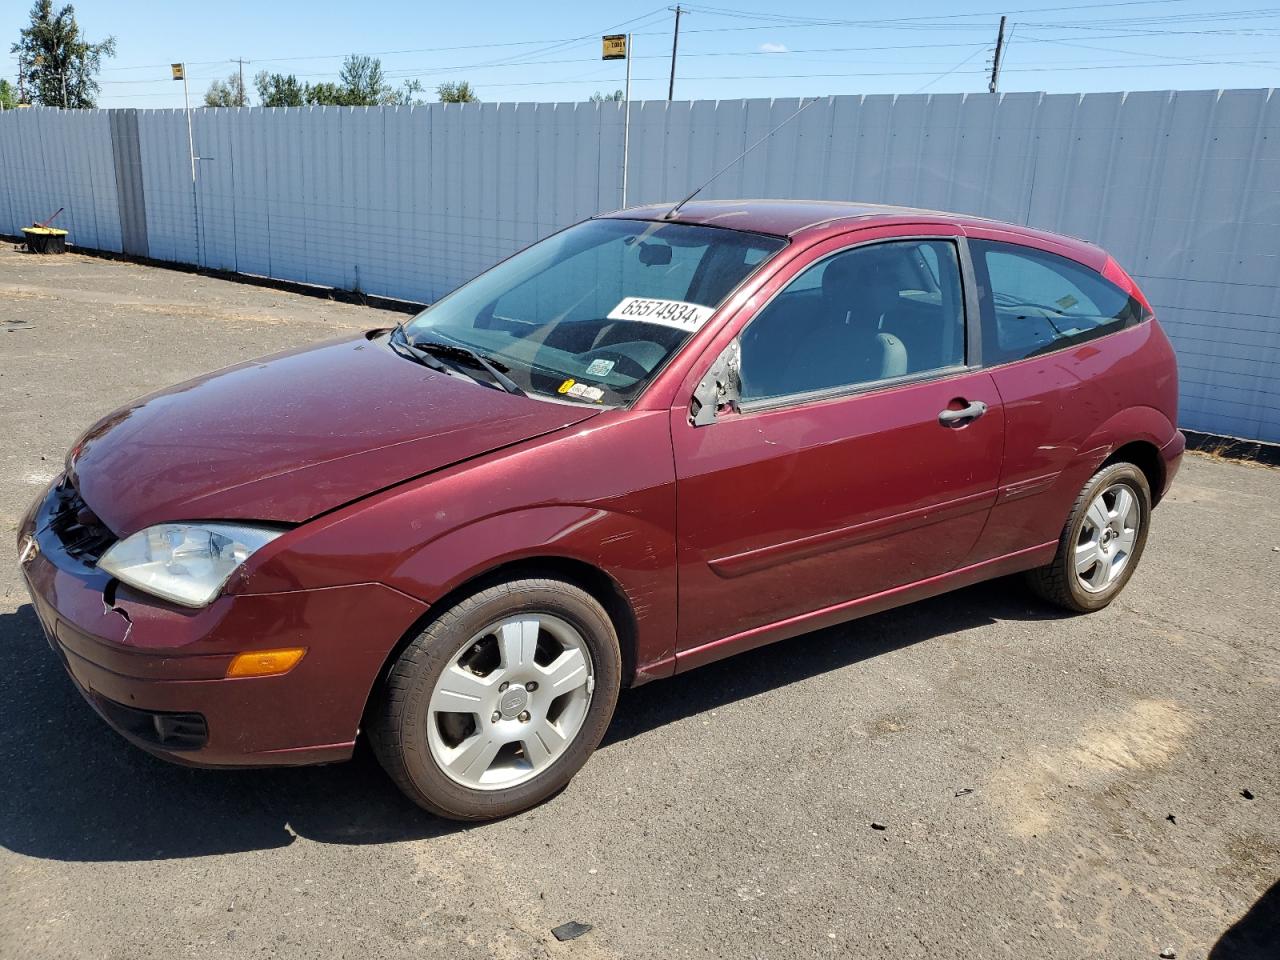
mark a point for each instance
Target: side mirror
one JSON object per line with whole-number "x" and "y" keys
{"x": 721, "y": 387}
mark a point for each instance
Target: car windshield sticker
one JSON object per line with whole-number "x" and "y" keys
{"x": 599, "y": 368}
{"x": 668, "y": 313}
{"x": 584, "y": 391}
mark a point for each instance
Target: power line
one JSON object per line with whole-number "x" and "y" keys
{"x": 946, "y": 21}
{"x": 952, "y": 16}
{"x": 1123, "y": 65}
{"x": 1025, "y": 38}
{"x": 943, "y": 76}
{"x": 1096, "y": 25}
{"x": 542, "y": 52}
{"x": 1132, "y": 53}
{"x": 938, "y": 20}
{"x": 554, "y": 42}
{"x": 409, "y": 72}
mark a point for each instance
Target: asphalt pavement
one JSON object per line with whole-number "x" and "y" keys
{"x": 977, "y": 775}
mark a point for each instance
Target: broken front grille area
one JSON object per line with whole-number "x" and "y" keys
{"x": 77, "y": 528}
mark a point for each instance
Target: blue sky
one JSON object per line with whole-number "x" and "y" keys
{"x": 551, "y": 51}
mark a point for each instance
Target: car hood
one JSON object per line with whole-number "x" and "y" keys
{"x": 293, "y": 436}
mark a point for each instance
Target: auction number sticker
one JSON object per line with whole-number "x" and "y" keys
{"x": 668, "y": 313}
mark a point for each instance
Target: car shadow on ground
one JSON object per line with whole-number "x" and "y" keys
{"x": 1256, "y": 935}
{"x": 73, "y": 790}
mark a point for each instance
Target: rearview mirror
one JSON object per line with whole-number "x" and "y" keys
{"x": 720, "y": 388}
{"x": 655, "y": 254}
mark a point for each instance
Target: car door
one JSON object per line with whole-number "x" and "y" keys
{"x": 1047, "y": 322}
{"x": 862, "y": 455}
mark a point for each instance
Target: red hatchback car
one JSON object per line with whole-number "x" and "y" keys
{"x": 645, "y": 443}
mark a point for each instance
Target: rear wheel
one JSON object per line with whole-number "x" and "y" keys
{"x": 500, "y": 700}
{"x": 1101, "y": 543}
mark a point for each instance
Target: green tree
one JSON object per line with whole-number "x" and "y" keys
{"x": 8, "y": 99}
{"x": 278, "y": 90}
{"x": 362, "y": 82}
{"x": 456, "y": 92}
{"x": 227, "y": 93}
{"x": 615, "y": 97}
{"x": 325, "y": 93}
{"x": 408, "y": 93}
{"x": 60, "y": 65}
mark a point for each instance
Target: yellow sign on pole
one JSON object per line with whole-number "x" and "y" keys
{"x": 615, "y": 47}
{"x": 178, "y": 72}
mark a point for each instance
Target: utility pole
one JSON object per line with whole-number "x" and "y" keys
{"x": 242, "y": 97}
{"x": 179, "y": 71}
{"x": 675, "y": 42}
{"x": 995, "y": 62}
{"x": 617, "y": 46}
{"x": 626, "y": 124}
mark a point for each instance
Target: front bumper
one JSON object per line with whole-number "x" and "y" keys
{"x": 156, "y": 672}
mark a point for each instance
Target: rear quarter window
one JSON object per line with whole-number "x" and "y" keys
{"x": 1035, "y": 302}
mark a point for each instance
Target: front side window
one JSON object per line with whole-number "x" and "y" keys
{"x": 591, "y": 314}
{"x": 873, "y": 313}
{"x": 1040, "y": 301}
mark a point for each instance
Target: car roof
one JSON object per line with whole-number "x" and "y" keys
{"x": 812, "y": 219}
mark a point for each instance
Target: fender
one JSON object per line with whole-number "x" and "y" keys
{"x": 638, "y": 556}
{"x": 1031, "y": 510}
{"x": 1126, "y": 426}
{"x": 1133, "y": 424}
{"x": 560, "y": 496}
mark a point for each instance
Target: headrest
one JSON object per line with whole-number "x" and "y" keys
{"x": 862, "y": 278}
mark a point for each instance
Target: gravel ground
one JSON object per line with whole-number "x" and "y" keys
{"x": 1049, "y": 786}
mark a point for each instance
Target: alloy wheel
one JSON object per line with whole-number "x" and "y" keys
{"x": 1107, "y": 537}
{"x": 510, "y": 702}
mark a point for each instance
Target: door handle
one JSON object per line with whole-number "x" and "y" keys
{"x": 958, "y": 418}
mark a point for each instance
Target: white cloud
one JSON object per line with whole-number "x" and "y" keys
{"x": 773, "y": 48}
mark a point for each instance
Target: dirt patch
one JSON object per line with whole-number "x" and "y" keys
{"x": 1143, "y": 737}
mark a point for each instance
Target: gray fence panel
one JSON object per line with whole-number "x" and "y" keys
{"x": 166, "y": 176}
{"x": 60, "y": 158}
{"x": 252, "y": 187}
{"x": 1182, "y": 187}
{"x": 131, "y": 197}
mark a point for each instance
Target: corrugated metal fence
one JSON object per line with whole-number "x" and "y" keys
{"x": 1183, "y": 187}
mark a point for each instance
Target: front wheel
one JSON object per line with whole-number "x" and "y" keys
{"x": 500, "y": 700}
{"x": 1101, "y": 543}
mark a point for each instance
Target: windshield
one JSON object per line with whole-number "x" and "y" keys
{"x": 591, "y": 314}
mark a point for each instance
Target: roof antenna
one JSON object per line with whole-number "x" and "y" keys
{"x": 670, "y": 214}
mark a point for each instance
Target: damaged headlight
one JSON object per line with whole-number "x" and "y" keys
{"x": 187, "y": 563}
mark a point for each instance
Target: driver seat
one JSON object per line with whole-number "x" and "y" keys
{"x": 845, "y": 342}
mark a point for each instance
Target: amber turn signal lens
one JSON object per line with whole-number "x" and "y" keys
{"x": 264, "y": 663}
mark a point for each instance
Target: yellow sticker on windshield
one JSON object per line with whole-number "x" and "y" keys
{"x": 564, "y": 387}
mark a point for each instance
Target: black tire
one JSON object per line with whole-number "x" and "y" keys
{"x": 398, "y": 732}
{"x": 1058, "y": 582}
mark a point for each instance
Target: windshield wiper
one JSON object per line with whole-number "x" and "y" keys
{"x": 403, "y": 346}
{"x": 458, "y": 352}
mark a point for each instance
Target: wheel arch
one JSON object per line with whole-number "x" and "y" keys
{"x": 598, "y": 584}
{"x": 1144, "y": 455}
{"x": 1136, "y": 435}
